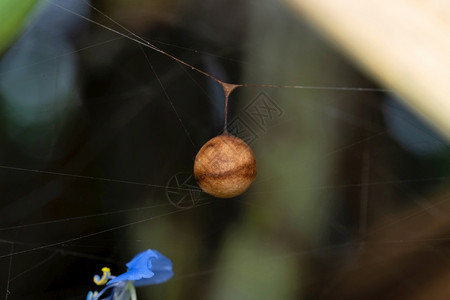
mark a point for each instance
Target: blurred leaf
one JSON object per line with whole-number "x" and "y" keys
{"x": 12, "y": 14}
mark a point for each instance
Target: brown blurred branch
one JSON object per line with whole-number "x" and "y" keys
{"x": 405, "y": 256}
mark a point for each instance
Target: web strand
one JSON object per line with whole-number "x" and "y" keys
{"x": 88, "y": 177}
{"x": 227, "y": 87}
{"x": 101, "y": 231}
{"x": 136, "y": 38}
{"x": 168, "y": 98}
{"x": 8, "y": 280}
{"x": 122, "y": 211}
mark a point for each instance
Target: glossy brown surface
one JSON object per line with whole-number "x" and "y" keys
{"x": 225, "y": 166}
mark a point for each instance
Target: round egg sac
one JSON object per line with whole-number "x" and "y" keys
{"x": 225, "y": 166}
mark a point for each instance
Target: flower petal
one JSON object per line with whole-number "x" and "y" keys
{"x": 141, "y": 260}
{"x": 161, "y": 267}
{"x": 148, "y": 267}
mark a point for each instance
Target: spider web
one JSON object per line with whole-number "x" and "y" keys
{"x": 100, "y": 130}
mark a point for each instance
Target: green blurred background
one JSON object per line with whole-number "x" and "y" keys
{"x": 350, "y": 201}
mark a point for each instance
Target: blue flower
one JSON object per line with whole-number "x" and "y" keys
{"x": 148, "y": 267}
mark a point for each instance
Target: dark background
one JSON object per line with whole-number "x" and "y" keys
{"x": 351, "y": 197}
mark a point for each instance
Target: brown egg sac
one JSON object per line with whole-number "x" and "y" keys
{"x": 225, "y": 166}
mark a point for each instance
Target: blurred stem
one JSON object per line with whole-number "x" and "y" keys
{"x": 132, "y": 290}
